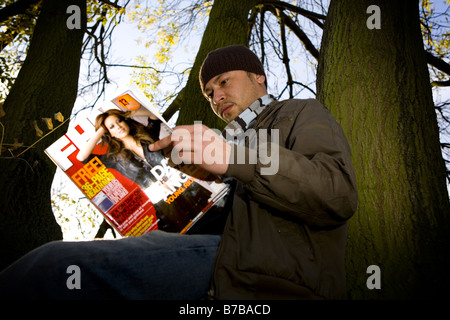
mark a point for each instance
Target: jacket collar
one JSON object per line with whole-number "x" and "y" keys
{"x": 236, "y": 128}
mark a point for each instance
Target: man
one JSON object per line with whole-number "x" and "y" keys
{"x": 286, "y": 231}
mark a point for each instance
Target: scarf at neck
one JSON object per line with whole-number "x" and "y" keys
{"x": 236, "y": 128}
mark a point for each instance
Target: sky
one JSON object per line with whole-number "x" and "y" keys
{"x": 125, "y": 49}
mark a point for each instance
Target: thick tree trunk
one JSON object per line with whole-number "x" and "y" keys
{"x": 227, "y": 25}
{"x": 46, "y": 84}
{"x": 376, "y": 83}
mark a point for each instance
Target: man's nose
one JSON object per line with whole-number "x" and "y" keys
{"x": 219, "y": 96}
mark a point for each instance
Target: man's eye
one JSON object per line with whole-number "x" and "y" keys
{"x": 224, "y": 81}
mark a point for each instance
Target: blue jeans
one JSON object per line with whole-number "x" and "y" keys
{"x": 157, "y": 265}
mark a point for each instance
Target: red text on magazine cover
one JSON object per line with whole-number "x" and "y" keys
{"x": 122, "y": 202}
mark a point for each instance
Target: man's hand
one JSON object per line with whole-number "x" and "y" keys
{"x": 196, "y": 144}
{"x": 143, "y": 112}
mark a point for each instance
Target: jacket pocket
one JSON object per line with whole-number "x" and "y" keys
{"x": 296, "y": 238}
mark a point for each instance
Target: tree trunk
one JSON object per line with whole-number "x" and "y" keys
{"x": 46, "y": 84}
{"x": 376, "y": 83}
{"x": 227, "y": 25}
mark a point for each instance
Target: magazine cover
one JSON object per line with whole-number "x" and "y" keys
{"x": 106, "y": 156}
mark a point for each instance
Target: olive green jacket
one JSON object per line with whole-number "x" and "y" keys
{"x": 287, "y": 230}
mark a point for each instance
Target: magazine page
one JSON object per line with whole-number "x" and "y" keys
{"x": 137, "y": 190}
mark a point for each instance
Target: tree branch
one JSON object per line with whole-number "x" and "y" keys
{"x": 282, "y": 19}
{"x": 437, "y": 63}
{"x": 261, "y": 35}
{"x": 174, "y": 106}
{"x": 441, "y": 83}
{"x": 104, "y": 226}
{"x": 440, "y": 65}
{"x": 297, "y": 31}
{"x": 112, "y": 4}
{"x": 314, "y": 17}
{"x": 15, "y": 8}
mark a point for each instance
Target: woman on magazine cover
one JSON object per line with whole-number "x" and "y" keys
{"x": 128, "y": 153}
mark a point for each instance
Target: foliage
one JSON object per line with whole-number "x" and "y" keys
{"x": 78, "y": 218}
{"x": 15, "y": 35}
{"x": 175, "y": 24}
{"x": 435, "y": 27}
{"x": 436, "y": 33}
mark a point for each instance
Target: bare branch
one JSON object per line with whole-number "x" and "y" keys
{"x": 314, "y": 17}
{"x": 282, "y": 19}
{"x": 437, "y": 63}
{"x": 297, "y": 31}
{"x": 305, "y": 86}
{"x": 445, "y": 83}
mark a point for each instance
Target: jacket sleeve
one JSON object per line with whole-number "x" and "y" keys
{"x": 314, "y": 180}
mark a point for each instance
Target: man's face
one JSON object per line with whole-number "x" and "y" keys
{"x": 232, "y": 92}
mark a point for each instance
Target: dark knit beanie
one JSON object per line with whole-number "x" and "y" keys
{"x": 235, "y": 57}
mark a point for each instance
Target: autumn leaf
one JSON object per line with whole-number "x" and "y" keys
{"x": 48, "y": 122}
{"x": 59, "y": 117}
{"x": 39, "y": 132}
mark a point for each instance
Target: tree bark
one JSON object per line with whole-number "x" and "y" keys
{"x": 227, "y": 25}
{"x": 46, "y": 84}
{"x": 376, "y": 83}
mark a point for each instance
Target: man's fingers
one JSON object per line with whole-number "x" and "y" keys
{"x": 162, "y": 144}
{"x": 196, "y": 144}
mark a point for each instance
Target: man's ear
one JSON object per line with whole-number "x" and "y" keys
{"x": 260, "y": 78}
